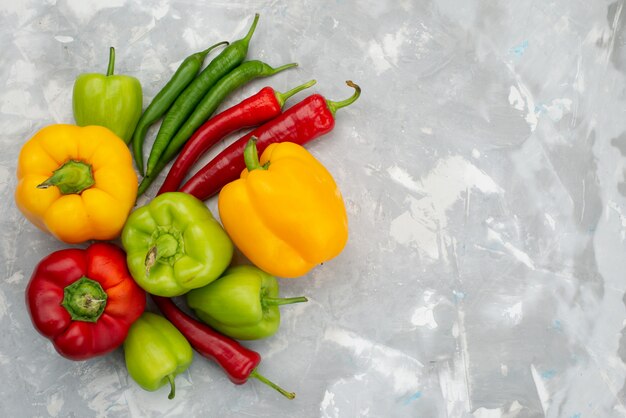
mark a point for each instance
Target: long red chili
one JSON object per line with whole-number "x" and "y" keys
{"x": 238, "y": 362}
{"x": 253, "y": 111}
{"x": 303, "y": 122}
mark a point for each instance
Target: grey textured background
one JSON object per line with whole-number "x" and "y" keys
{"x": 483, "y": 172}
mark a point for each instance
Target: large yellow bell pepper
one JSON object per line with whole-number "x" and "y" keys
{"x": 76, "y": 183}
{"x": 285, "y": 213}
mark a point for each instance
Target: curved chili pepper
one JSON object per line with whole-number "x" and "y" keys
{"x": 301, "y": 123}
{"x": 253, "y": 111}
{"x": 184, "y": 75}
{"x": 238, "y": 362}
{"x": 238, "y": 77}
{"x": 228, "y": 59}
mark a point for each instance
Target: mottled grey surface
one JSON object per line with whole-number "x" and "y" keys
{"x": 483, "y": 172}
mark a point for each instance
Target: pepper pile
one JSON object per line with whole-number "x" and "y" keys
{"x": 78, "y": 184}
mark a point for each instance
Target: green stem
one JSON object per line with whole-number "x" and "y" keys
{"x": 251, "y": 156}
{"x": 73, "y": 177}
{"x": 334, "y": 106}
{"x": 165, "y": 245}
{"x": 283, "y": 68}
{"x": 84, "y": 300}
{"x": 111, "y": 61}
{"x": 283, "y": 301}
{"x": 206, "y": 52}
{"x": 282, "y": 97}
{"x": 170, "y": 378}
{"x": 256, "y": 375}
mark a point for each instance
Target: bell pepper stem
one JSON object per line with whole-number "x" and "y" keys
{"x": 283, "y": 301}
{"x": 111, "y": 61}
{"x": 282, "y": 97}
{"x": 73, "y": 177}
{"x": 257, "y": 375}
{"x": 251, "y": 156}
{"x": 170, "y": 378}
{"x": 166, "y": 245}
{"x": 334, "y": 106}
{"x": 84, "y": 300}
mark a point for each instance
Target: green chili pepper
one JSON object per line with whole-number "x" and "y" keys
{"x": 242, "y": 304}
{"x": 156, "y": 352}
{"x": 238, "y": 77}
{"x": 184, "y": 75}
{"x": 173, "y": 244}
{"x": 229, "y": 58}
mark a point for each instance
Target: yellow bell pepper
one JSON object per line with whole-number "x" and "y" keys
{"x": 76, "y": 183}
{"x": 285, "y": 213}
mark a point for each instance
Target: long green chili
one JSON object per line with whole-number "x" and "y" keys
{"x": 184, "y": 75}
{"x": 227, "y": 60}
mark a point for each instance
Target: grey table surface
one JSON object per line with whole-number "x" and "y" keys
{"x": 483, "y": 174}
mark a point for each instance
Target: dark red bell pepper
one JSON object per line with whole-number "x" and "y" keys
{"x": 84, "y": 301}
{"x": 301, "y": 123}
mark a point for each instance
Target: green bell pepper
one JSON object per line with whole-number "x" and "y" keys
{"x": 242, "y": 304}
{"x": 112, "y": 101}
{"x": 156, "y": 352}
{"x": 174, "y": 244}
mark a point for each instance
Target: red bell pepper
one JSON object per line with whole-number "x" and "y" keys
{"x": 84, "y": 300}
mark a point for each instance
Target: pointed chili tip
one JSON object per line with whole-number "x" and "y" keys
{"x": 252, "y": 28}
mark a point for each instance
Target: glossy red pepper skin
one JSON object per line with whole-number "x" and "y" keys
{"x": 103, "y": 263}
{"x": 253, "y": 111}
{"x": 301, "y": 123}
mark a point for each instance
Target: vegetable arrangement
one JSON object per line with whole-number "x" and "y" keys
{"x": 283, "y": 211}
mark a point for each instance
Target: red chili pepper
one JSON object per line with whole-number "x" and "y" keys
{"x": 238, "y": 362}
{"x": 303, "y": 122}
{"x": 253, "y": 111}
{"x": 84, "y": 300}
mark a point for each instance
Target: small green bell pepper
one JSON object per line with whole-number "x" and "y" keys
{"x": 156, "y": 352}
{"x": 112, "y": 101}
{"x": 242, "y": 304}
{"x": 174, "y": 244}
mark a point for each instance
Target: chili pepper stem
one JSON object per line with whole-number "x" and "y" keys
{"x": 282, "y": 97}
{"x": 206, "y": 52}
{"x": 283, "y": 67}
{"x": 170, "y": 378}
{"x": 334, "y": 106}
{"x": 283, "y": 301}
{"x": 257, "y": 375}
{"x": 111, "y": 61}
